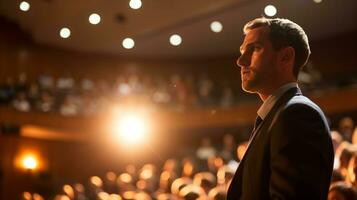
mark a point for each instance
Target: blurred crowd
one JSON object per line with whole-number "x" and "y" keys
{"x": 87, "y": 96}
{"x": 205, "y": 175}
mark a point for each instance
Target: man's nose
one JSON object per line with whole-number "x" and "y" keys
{"x": 243, "y": 60}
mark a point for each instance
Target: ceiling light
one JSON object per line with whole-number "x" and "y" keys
{"x": 317, "y": 1}
{"x": 175, "y": 40}
{"x": 24, "y": 6}
{"x": 135, "y": 4}
{"x": 128, "y": 43}
{"x": 270, "y": 10}
{"x": 216, "y": 26}
{"x": 94, "y": 18}
{"x": 65, "y": 32}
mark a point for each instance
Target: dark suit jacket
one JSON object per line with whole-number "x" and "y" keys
{"x": 290, "y": 155}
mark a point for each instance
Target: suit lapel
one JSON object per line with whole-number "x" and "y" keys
{"x": 281, "y": 101}
{"x": 237, "y": 179}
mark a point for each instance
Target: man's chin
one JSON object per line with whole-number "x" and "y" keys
{"x": 248, "y": 88}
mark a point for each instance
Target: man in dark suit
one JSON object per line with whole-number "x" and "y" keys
{"x": 290, "y": 153}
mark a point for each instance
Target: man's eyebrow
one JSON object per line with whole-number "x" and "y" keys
{"x": 249, "y": 45}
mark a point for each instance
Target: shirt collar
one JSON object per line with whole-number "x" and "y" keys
{"x": 272, "y": 99}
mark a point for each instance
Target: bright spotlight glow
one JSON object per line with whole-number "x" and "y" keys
{"x": 29, "y": 162}
{"x": 135, "y": 4}
{"x": 317, "y": 1}
{"x": 94, "y": 18}
{"x": 65, "y": 32}
{"x": 175, "y": 40}
{"x": 270, "y": 10}
{"x": 24, "y": 6}
{"x": 128, "y": 43}
{"x": 132, "y": 129}
{"x": 216, "y": 26}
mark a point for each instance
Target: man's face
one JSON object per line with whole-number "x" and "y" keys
{"x": 258, "y": 61}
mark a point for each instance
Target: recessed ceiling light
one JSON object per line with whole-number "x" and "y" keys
{"x": 216, "y": 26}
{"x": 65, "y": 32}
{"x": 94, "y": 18}
{"x": 24, "y": 6}
{"x": 317, "y": 1}
{"x": 128, "y": 43}
{"x": 135, "y": 4}
{"x": 175, "y": 40}
{"x": 270, "y": 10}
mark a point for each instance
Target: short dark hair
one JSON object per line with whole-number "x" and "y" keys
{"x": 284, "y": 33}
{"x": 347, "y": 190}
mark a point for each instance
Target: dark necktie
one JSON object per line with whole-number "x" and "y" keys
{"x": 257, "y": 122}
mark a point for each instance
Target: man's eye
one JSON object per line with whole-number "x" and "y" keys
{"x": 257, "y": 47}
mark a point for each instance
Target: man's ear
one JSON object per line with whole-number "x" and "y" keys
{"x": 287, "y": 56}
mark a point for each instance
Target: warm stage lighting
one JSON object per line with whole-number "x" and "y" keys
{"x": 175, "y": 40}
{"x": 24, "y": 6}
{"x": 135, "y": 4}
{"x": 65, "y": 32}
{"x": 128, "y": 43}
{"x": 270, "y": 10}
{"x": 216, "y": 26}
{"x": 94, "y": 18}
{"x": 132, "y": 129}
{"x": 29, "y": 162}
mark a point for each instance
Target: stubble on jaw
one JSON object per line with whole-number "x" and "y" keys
{"x": 250, "y": 84}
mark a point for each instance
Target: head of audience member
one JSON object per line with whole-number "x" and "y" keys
{"x": 192, "y": 192}
{"x": 241, "y": 150}
{"x": 205, "y": 180}
{"x": 217, "y": 193}
{"x": 224, "y": 175}
{"x": 352, "y": 170}
{"x": 206, "y": 149}
{"x": 337, "y": 176}
{"x": 345, "y": 156}
{"x": 166, "y": 196}
{"x": 131, "y": 170}
{"x": 170, "y": 165}
{"x": 346, "y": 126}
{"x": 110, "y": 182}
{"x": 179, "y": 183}
{"x": 28, "y": 196}
{"x": 79, "y": 191}
{"x": 142, "y": 196}
{"x": 354, "y": 136}
{"x": 342, "y": 191}
{"x": 125, "y": 182}
{"x": 214, "y": 163}
{"x": 228, "y": 141}
{"x": 337, "y": 139}
{"x": 228, "y": 149}
{"x": 148, "y": 178}
{"x": 188, "y": 167}
{"x": 46, "y": 102}
{"x": 166, "y": 180}
{"x": 95, "y": 186}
